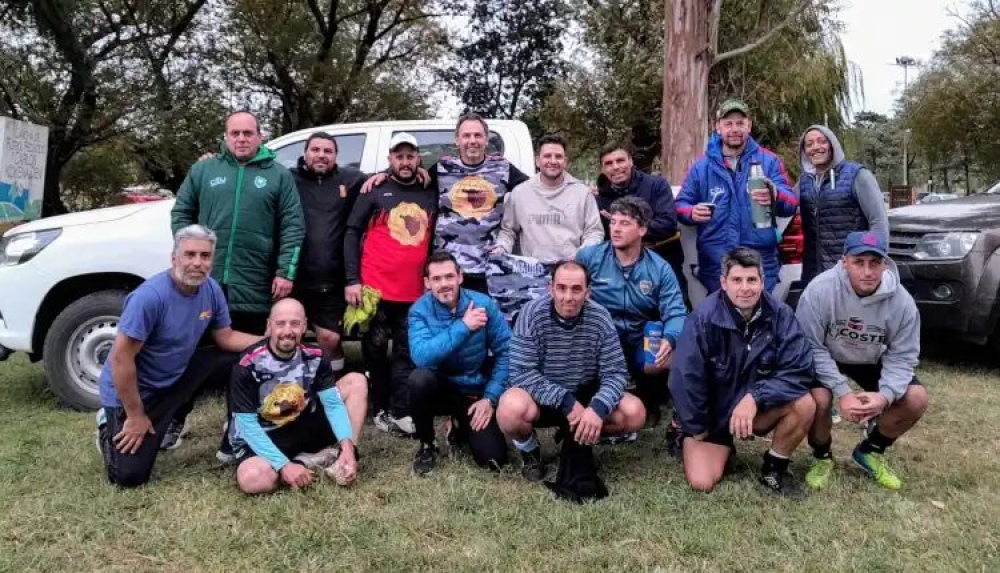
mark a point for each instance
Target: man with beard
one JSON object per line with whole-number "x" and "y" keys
{"x": 742, "y": 367}
{"x": 327, "y": 193}
{"x": 287, "y": 412}
{"x": 459, "y": 341}
{"x": 551, "y": 215}
{"x": 155, "y": 366}
{"x": 715, "y": 197}
{"x": 249, "y": 200}
{"x": 637, "y": 287}
{"x": 388, "y": 240}
{"x": 863, "y": 326}
{"x": 471, "y": 188}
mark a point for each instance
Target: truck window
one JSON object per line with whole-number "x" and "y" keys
{"x": 435, "y": 143}
{"x": 350, "y": 148}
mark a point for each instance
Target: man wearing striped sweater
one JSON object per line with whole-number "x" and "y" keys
{"x": 567, "y": 370}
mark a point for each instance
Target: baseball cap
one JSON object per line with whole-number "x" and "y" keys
{"x": 731, "y": 105}
{"x": 861, "y": 242}
{"x": 401, "y": 138}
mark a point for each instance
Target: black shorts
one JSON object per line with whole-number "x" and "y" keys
{"x": 867, "y": 375}
{"x": 324, "y": 307}
{"x": 310, "y": 433}
{"x": 549, "y": 417}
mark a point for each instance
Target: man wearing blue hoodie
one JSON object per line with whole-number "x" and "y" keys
{"x": 714, "y": 197}
{"x": 863, "y": 325}
{"x": 452, "y": 331}
{"x": 838, "y": 197}
{"x": 742, "y": 367}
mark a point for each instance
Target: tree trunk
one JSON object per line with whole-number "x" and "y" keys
{"x": 51, "y": 200}
{"x": 687, "y": 59}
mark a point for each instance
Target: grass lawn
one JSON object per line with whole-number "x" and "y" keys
{"x": 60, "y": 515}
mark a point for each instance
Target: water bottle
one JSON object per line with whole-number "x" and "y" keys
{"x": 652, "y": 337}
{"x": 759, "y": 214}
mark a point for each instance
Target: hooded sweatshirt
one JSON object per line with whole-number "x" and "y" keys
{"x": 846, "y": 199}
{"x": 845, "y": 328}
{"x": 551, "y": 223}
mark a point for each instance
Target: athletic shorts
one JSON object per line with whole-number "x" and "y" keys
{"x": 324, "y": 307}
{"x": 309, "y": 433}
{"x": 867, "y": 375}
{"x": 550, "y": 417}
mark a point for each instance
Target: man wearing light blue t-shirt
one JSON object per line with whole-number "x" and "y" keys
{"x": 155, "y": 366}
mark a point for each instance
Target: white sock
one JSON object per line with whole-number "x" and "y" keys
{"x": 775, "y": 454}
{"x": 528, "y": 445}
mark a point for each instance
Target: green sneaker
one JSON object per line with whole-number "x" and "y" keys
{"x": 819, "y": 474}
{"x": 877, "y": 468}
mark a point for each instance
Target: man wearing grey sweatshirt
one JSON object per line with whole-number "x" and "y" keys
{"x": 551, "y": 215}
{"x": 862, "y": 325}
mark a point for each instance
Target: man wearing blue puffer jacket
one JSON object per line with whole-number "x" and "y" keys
{"x": 452, "y": 332}
{"x": 714, "y": 197}
{"x": 742, "y": 367}
{"x": 636, "y": 286}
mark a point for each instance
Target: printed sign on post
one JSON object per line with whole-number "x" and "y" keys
{"x": 23, "y": 151}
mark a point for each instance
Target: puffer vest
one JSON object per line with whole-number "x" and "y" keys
{"x": 828, "y": 216}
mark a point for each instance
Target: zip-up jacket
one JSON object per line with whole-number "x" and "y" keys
{"x": 440, "y": 341}
{"x": 710, "y": 180}
{"x": 257, "y": 218}
{"x": 721, "y": 358}
{"x": 652, "y": 189}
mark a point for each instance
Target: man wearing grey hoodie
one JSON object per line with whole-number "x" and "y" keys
{"x": 836, "y": 197}
{"x": 862, "y": 325}
{"x": 552, "y": 214}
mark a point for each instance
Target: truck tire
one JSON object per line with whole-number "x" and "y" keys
{"x": 78, "y": 343}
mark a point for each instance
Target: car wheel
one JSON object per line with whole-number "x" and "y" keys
{"x": 77, "y": 345}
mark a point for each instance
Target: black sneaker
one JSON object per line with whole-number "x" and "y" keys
{"x": 426, "y": 459}
{"x": 174, "y": 436}
{"x": 532, "y": 467}
{"x": 782, "y": 483}
{"x": 675, "y": 442}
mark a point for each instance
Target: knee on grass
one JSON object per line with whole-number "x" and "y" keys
{"x": 256, "y": 476}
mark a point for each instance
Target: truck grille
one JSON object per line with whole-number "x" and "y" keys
{"x": 902, "y": 244}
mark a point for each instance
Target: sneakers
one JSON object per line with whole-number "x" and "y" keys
{"x": 782, "y": 483}
{"x": 225, "y": 453}
{"x": 102, "y": 420}
{"x": 532, "y": 467}
{"x": 628, "y": 438}
{"x": 426, "y": 459}
{"x": 404, "y": 425}
{"x": 400, "y": 426}
{"x": 174, "y": 435}
{"x": 382, "y": 421}
{"x": 820, "y": 473}
{"x": 877, "y": 468}
{"x": 320, "y": 460}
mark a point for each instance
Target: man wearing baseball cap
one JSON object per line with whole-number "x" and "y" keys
{"x": 388, "y": 239}
{"x": 863, "y": 326}
{"x": 714, "y": 197}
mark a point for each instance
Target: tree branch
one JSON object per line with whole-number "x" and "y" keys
{"x": 318, "y": 15}
{"x": 765, "y": 38}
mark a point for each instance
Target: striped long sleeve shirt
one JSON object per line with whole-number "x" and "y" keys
{"x": 552, "y": 359}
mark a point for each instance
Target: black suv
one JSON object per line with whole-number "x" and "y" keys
{"x": 948, "y": 259}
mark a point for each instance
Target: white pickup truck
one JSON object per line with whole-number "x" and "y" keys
{"x": 63, "y": 279}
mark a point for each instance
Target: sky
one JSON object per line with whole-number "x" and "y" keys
{"x": 878, "y": 31}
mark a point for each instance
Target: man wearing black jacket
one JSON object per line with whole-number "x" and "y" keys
{"x": 327, "y": 193}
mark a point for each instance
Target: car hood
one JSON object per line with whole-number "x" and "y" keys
{"x": 971, "y": 213}
{"x": 88, "y": 217}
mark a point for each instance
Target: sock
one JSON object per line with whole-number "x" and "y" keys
{"x": 876, "y": 442}
{"x": 528, "y": 445}
{"x": 822, "y": 451}
{"x": 775, "y": 462}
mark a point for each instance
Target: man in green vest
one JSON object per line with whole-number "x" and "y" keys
{"x": 250, "y": 201}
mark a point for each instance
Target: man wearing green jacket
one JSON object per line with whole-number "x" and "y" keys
{"x": 250, "y": 201}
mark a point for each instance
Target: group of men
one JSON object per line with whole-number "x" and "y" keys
{"x": 262, "y": 255}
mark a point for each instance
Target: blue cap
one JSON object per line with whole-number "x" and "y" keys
{"x": 861, "y": 242}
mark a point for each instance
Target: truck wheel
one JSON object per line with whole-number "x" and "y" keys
{"x": 77, "y": 345}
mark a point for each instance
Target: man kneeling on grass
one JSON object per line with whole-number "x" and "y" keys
{"x": 742, "y": 367}
{"x": 566, "y": 370}
{"x": 863, "y": 325}
{"x": 285, "y": 405}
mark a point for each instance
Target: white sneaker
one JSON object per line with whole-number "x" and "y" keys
{"x": 320, "y": 460}
{"x": 382, "y": 421}
{"x": 404, "y": 425}
{"x": 102, "y": 419}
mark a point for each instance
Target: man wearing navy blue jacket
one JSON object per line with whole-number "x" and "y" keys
{"x": 742, "y": 367}
{"x": 452, "y": 332}
{"x": 636, "y": 286}
{"x": 714, "y": 197}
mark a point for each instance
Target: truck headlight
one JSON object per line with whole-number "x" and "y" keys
{"x": 20, "y": 248}
{"x": 944, "y": 246}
